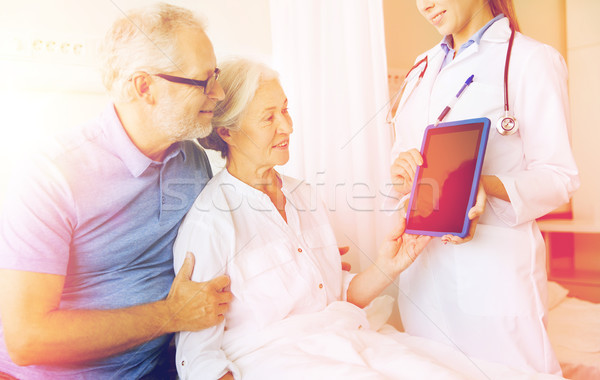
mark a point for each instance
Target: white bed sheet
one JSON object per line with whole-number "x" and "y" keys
{"x": 574, "y": 330}
{"x": 339, "y": 343}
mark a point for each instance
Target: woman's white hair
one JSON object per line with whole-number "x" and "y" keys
{"x": 240, "y": 78}
{"x": 143, "y": 40}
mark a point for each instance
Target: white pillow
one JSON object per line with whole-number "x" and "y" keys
{"x": 556, "y": 293}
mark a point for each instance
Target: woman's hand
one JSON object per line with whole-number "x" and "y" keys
{"x": 474, "y": 213}
{"x": 494, "y": 187}
{"x": 399, "y": 250}
{"x": 403, "y": 170}
{"x": 345, "y": 265}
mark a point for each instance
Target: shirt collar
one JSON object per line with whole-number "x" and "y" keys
{"x": 475, "y": 39}
{"x": 287, "y": 185}
{"x": 120, "y": 144}
{"x": 239, "y": 186}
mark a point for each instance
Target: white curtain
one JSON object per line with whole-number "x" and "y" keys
{"x": 332, "y": 61}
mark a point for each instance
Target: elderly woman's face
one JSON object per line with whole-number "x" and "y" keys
{"x": 265, "y": 128}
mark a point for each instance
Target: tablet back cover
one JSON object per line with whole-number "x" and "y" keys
{"x": 445, "y": 186}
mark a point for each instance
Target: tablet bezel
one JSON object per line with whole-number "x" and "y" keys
{"x": 484, "y": 122}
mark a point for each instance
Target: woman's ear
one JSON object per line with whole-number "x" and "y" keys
{"x": 141, "y": 87}
{"x": 225, "y": 134}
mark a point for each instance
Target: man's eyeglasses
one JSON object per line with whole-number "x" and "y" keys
{"x": 207, "y": 84}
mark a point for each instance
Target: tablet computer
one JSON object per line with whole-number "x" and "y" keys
{"x": 445, "y": 186}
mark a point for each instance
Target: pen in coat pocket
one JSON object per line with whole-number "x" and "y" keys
{"x": 453, "y": 101}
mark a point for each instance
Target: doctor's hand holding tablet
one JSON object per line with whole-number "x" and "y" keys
{"x": 481, "y": 127}
{"x": 447, "y": 197}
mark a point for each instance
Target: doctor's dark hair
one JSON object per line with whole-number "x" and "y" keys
{"x": 143, "y": 40}
{"x": 240, "y": 78}
{"x": 508, "y": 9}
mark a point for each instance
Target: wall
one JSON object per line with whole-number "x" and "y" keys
{"x": 583, "y": 44}
{"x": 408, "y": 34}
{"x": 545, "y": 21}
{"x": 43, "y": 92}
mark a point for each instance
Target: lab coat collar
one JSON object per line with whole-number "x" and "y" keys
{"x": 498, "y": 32}
{"x": 475, "y": 38}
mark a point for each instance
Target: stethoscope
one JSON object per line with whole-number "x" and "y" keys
{"x": 506, "y": 124}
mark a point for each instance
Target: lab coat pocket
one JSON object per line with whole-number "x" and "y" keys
{"x": 494, "y": 273}
{"x": 480, "y": 100}
{"x": 264, "y": 281}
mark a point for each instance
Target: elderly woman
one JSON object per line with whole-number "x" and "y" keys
{"x": 295, "y": 313}
{"x": 262, "y": 229}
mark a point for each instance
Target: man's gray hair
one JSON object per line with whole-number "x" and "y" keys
{"x": 143, "y": 40}
{"x": 240, "y": 78}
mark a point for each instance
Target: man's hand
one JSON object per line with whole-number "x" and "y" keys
{"x": 37, "y": 331}
{"x": 197, "y": 305}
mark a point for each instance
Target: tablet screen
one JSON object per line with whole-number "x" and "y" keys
{"x": 446, "y": 183}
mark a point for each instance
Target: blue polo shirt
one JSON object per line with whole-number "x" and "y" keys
{"x": 93, "y": 208}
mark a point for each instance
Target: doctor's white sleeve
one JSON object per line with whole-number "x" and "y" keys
{"x": 199, "y": 354}
{"x": 549, "y": 175}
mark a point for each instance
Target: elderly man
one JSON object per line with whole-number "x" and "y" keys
{"x": 87, "y": 288}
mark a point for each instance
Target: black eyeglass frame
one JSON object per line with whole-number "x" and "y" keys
{"x": 193, "y": 82}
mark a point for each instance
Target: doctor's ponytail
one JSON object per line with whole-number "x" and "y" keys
{"x": 508, "y": 9}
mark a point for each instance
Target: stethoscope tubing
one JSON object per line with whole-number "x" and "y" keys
{"x": 506, "y": 65}
{"x": 507, "y": 118}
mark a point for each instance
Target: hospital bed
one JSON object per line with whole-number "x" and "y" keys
{"x": 574, "y": 330}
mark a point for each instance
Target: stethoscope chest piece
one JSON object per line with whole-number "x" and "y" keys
{"x": 507, "y": 125}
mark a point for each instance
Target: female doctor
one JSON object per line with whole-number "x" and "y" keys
{"x": 486, "y": 294}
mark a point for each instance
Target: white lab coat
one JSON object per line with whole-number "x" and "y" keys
{"x": 488, "y": 296}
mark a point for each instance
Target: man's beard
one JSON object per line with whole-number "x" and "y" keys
{"x": 179, "y": 126}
